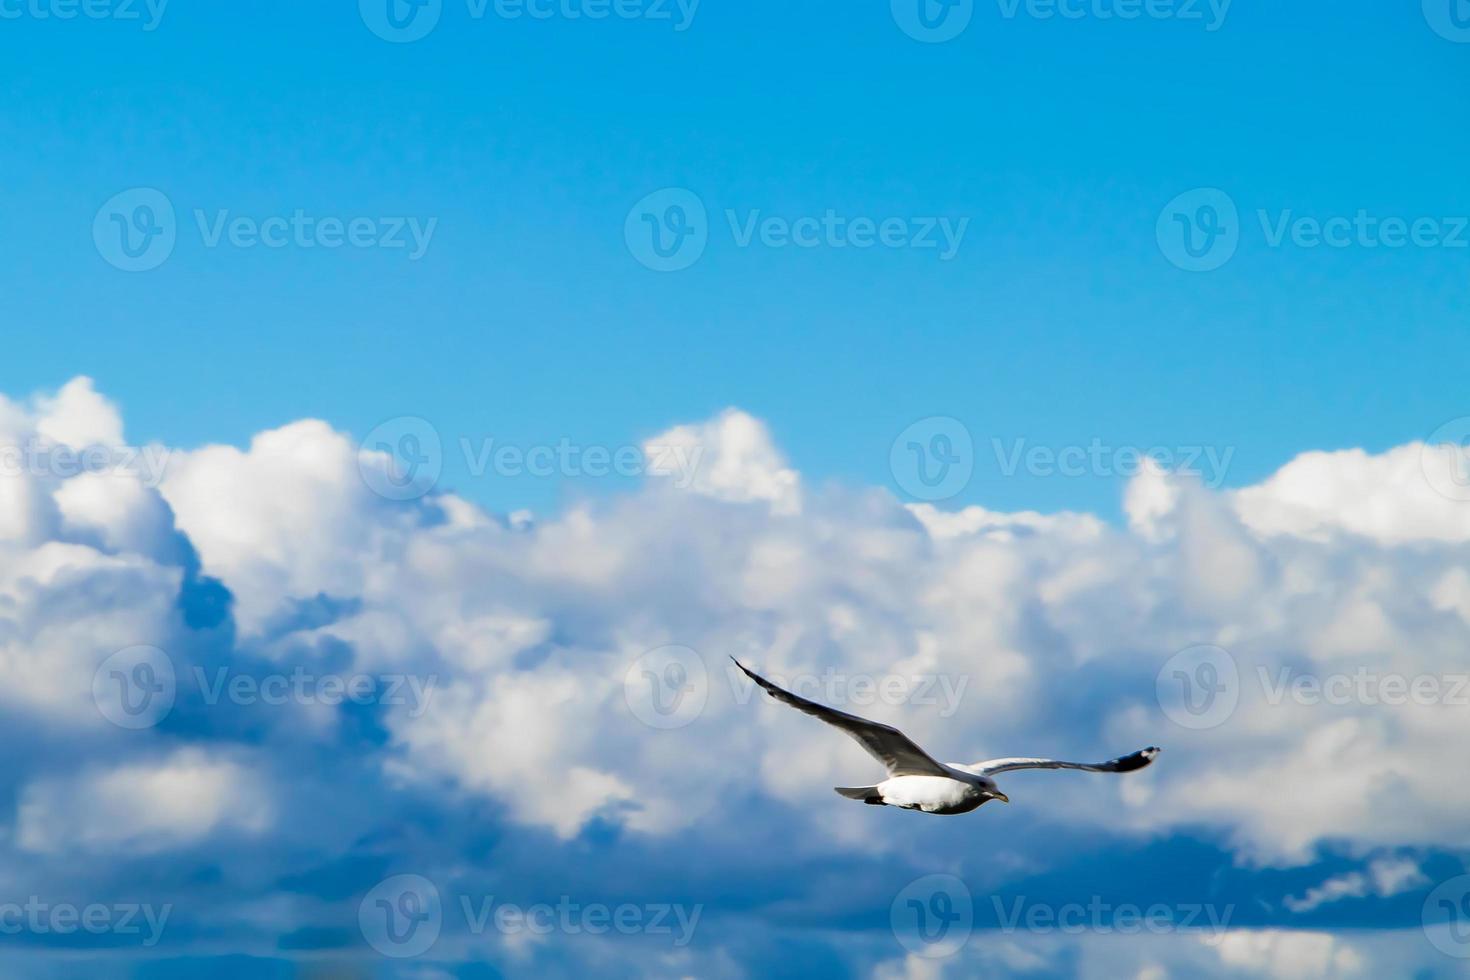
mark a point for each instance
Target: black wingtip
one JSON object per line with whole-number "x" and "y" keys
{"x": 1139, "y": 759}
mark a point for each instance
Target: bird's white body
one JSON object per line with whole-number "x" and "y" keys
{"x": 933, "y": 794}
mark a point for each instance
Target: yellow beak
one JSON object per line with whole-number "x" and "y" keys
{"x": 1002, "y": 797}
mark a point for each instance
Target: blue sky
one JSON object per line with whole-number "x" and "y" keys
{"x": 1060, "y": 153}
{"x": 1058, "y": 321}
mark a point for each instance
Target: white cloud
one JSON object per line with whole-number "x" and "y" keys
{"x": 143, "y": 808}
{"x": 1338, "y": 561}
{"x": 1289, "y": 955}
{"x": 1385, "y": 877}
{"x": 731, "y": 457}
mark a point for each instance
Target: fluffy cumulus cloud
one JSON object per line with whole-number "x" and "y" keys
{"x": 543, "y": 710}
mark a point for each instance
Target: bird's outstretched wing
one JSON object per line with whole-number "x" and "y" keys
{"x": 887, "y": 744}
{"x": 1127, "y": 763}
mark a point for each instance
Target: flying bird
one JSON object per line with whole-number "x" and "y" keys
{"x": 915, "y": 781}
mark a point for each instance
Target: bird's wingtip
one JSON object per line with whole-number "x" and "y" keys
{"x": 1138, "y": 760}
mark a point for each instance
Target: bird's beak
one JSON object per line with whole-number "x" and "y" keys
{"x": 1000, "y": 796}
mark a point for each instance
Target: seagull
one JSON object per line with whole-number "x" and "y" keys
{"x": 915, "y": 781}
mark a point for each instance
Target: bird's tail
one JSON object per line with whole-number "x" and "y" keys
{"x": 868, "y": 794}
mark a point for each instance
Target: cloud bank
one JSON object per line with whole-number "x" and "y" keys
{"x": 364, "y": 687}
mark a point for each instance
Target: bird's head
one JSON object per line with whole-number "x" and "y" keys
{"x": 992, "y": 791}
